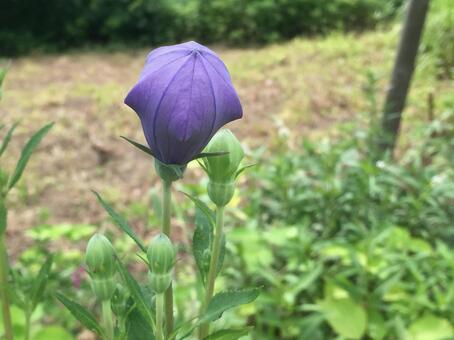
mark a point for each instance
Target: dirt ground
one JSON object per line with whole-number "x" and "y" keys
{"x": 307, "y": 86}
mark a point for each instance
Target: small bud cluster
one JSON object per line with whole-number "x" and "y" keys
{"x": 161, "y": 257}
{"x": 222, "y": 170}
{"x": 100, "y": 260}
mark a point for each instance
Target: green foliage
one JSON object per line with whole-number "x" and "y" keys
{"x": 439, "y": 34}
{"x": 348, "y": 246}
{"x": 134, "y": 22}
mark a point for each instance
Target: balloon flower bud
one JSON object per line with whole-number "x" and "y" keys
{"x": 161, "y": 257}
{"x": 223, "y": 169}
{"x": 100, "y": 260}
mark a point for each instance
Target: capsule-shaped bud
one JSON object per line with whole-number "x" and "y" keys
{"x": 161, "y": 255}
{"x": 160, "y": 282}
{"x": 103, "y": 288}
{"x": 100, "y": 257}
{"x": 223, "y": 168}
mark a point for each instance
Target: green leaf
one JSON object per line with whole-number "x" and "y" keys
{"x": 121, "y": 222}
{"x": 142, "y": 303}
{"x": 222, "y": 302}
{"x": 80, "y": 313}
{"x": 346, "y": 317}
{"x": 26, "y": 154}
{"x": 53, "y": 332}
{"x": 228, "y": 334}
{"x": 39, "y": 284}
{"x": 7, "y": 138}
{"x": 203, "y": 207}
{"x": 202, "y": 243}
{"x": 430, "y": 327}
{"x": 227, "y": 300}
{"x": 137, "y": 327}
{"x": 139, "y": 146}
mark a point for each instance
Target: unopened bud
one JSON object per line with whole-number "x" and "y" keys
{"x": 161, "y": 255}
{"x": 223, "y": 168}
{"x": 100, "y": 257}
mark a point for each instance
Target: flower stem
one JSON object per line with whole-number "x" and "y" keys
{"x": 212, "y": 272}
{"x": 166, "y": 207}
{"x": 4, "y": 290}
{"x": 107, "y": 318}
{"x": 159, "y": 316}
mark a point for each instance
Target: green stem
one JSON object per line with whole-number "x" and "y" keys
{"x": 212, "y": 272}
{"x": 107, "y": 319}
{"x": 27, "y": 324}
{"x": 159, "y": 316}
{"x": 166, "y": 207}
{"x": 4, "y": 290}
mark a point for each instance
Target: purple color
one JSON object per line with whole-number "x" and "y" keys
{"x": 183, "y": 96}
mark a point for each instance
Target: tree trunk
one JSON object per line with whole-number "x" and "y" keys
{"x": 402, "y": 73}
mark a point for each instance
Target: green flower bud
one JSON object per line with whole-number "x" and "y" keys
{"x": 169, "y": 173}
{"x": 103, "y": 288}
{"x": 100, "y": 257}
{"x": 221, "y": 193}
{"x": 223, "y": 168}
{"x": 161, "y": 255}
{"x": 160, "y": 282}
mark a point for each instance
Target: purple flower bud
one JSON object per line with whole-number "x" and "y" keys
{"x": 184, "y": 95}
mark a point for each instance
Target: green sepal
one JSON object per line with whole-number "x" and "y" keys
{"x": 169, "y": 172}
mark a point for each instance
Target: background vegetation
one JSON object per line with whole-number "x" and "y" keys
{"x": 54, "y": 24}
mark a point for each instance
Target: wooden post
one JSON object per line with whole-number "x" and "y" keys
{"x": 402, "y": 73}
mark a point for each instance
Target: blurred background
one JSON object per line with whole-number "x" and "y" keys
{"x": 347, "y": 244}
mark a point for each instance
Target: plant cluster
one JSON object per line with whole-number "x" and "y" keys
{"x": 349, "y": 246}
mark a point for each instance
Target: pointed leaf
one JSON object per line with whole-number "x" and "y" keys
{"x": 203, "y": 207}
{"x": 39, "y": 284}
{"x": 227, "y": 300}
{"x": 228, "y": 334}
{"x": 26, "y": 154}
{"x": 80, "y": 313}
{"x": 7, "y": 138}
{"x": 120, "y": 222}
{"x": 143, "y": 305}
{"x": 139, "y": 146}
{"x": 137, "y": 327}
